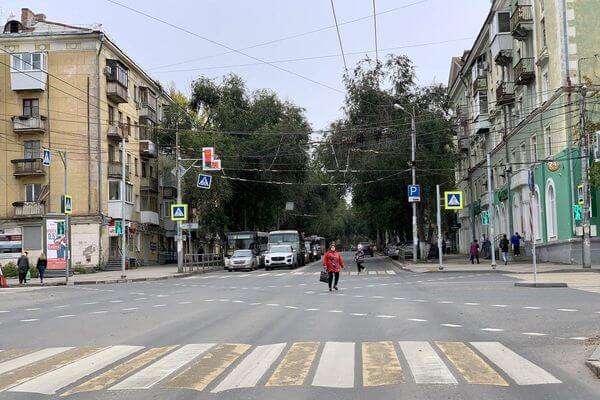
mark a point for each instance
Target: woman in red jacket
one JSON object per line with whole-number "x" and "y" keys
{"x": 333, "y": 262}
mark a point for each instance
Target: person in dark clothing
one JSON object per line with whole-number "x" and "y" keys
{"x": 515, "y": 240}
{"x": 359, "y": 257}
{"x": 474, "y": 251}
{"x": 41, "y": 265}
{"x": 444, "y": 245}
{"x": 504, "y": 245}
{"x": 23, "y": 266}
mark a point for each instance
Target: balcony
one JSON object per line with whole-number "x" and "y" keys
{"x": 29, "y": 124}
{"x": 34, "y": 80}
{"x": 116, "y": 92}
{"x": 501, "y": 48}
{"x": 148, "y": 183}
{"x": 28, "y": 209}
{"x": 149, "y": 217}
{"x": 505, "y": 93}
{"x": 148, "y": 149}
{"x": 28, "y": 167}
{"x": 115, "y": 131}
{"x": 480, "y": 84}
{"x": 147, "y": 112}
{"x": 481, "y": 125}
{"x": 524, "y": 71}
{"x": 521, "y": 22}
{"x": 115, "y": 170}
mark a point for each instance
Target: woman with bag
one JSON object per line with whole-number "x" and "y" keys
{"x": 333, "y": 263}
{"x": 41, "y": 265}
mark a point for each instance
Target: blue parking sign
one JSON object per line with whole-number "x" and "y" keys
{"x": 414, "y": 193}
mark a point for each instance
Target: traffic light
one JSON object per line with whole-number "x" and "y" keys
{"x": 119, "y": 227}
{"x": 577, "y": 212}
{"x": 60, "y": 228}
{"x": 485, "y": 218}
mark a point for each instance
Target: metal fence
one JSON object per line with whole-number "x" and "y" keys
{"x": 203, "y": 262}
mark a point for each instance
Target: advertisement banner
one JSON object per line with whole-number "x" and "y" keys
{"x": 56, "y": 244}
{"x": 11, "y": 244}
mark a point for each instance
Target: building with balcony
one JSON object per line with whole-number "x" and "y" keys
{"x": 44, "y": 109}
{"x": 532, "y": 89}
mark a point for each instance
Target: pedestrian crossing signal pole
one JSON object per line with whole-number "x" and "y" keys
{"x": 178, "y": 177}
{"x": 439, "y": 226}
{"x": 585, "y": 173}
{"x": 123, "y": 195}
{"x": 491, "y": 208}
{"x": 67, "y": 233}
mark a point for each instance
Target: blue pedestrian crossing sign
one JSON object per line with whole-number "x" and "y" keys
{"x": 179, "y": 212}
{"x": 454, "y": 200}
{"x": 204, "y": 181}
{"x": 46, "y": 157}
{"x": 414, "y": 193}
{"x": 67, "y": 207}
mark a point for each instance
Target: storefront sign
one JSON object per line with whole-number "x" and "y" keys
{"x": 11, "y": 243}
{"x": 56, "y": 244}
{"x": 553, "y": 166}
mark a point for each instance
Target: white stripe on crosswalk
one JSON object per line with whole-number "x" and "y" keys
{"x": 372, "y": 272}
{"x": 522, "y": 371}
{"x": 53, "y": 381}
{"x": 390, "y": 272}
{"x": 19, "y": 362}
{"x": 336, "y": 366}
{"x": 252, "y": 368}
{"x": 162, "y": 368}
{"x": 425, "y": 364}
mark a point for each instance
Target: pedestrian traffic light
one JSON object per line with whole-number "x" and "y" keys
{"x": 577, "y": 212}
{"x": 119, "y": 227}
{"x": 60, "y": 228}
{"x": 485, "y": 218}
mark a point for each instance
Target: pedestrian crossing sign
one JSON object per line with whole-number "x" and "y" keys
{"x": 204, "y": 181}
{"x": 179, "y": 212}
{"x": 46, "y": 157}
{"x": 67, "y": 206}
{"x": 454, "y": 200}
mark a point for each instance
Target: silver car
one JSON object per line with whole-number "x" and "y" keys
{"x": 241, "y": 259}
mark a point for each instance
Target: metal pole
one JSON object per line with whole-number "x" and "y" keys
{"x": 585, "y": 171}
{"x": 178, "y": 176}
{"x": 491, "y": 208}
{"x": 123, "y": 195}
{"x": 532, "y": 212}
{"x": 439, "y": 226}
{"x": 414, "y": 182}
{"x": 67, "y": 221}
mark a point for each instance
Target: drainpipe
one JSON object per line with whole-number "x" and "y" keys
{"x": 99, "y": 147}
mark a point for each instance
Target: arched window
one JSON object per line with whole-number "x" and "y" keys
{"x": 537, "y": 214}
{"x": 502, "y": 220}
{"x": 526, "y": 215}
{"x": 551, "y": 222}
{"x": 517, "y": 215}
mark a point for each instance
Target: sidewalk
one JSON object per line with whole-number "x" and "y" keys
{"x": 147, "y": 273}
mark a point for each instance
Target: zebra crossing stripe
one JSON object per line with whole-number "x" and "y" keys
{"x": 208, "y": 367}
{"x": 293, "y": 369}
{"x": 470, "y": 365}
{"x": 19, "y": 362}
{"x": 252, "y": 368}
{"x": 522, "y": 371}
{"x": 53, "y": 381}
{"x": 380, "y": 364}
{"x": 372, "y": 272}
{"x": 336, "y": 366}
{"x": 390, "y": 272}
{"x": 113, "y": 375}
{"x": 154, "y": 373}
{"x": 425, "y": 364}
{"x": 10, "y": 354}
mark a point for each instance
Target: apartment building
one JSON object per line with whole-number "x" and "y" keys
{"x": 515, "y": 96}
{"x": 71, "y": 89}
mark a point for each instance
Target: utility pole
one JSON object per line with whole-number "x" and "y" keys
{"x": 491, "y": 208}
{"x": 63, "y": 157}
{"x": 178, "y": 177}
{"x": 585, "y": 173}
{"x": 439, "y": 226}
{"x": 123, "y": 195}
{"x": 532, "y": 212}
{"x": 413, "y": 135}
{"x": 507, "y": 172}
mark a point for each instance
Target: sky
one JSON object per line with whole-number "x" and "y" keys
{"x": 314, "y": 84}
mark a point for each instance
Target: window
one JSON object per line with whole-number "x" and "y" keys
{"x": 31, "y": 107}
{"x": 545, "y": 84}
{"x": 551, "y": 223}
{"x": 547, "y": 142}
{"x": 128, "y": 126}
{"x": 537, "y": 214}
{"x": 503, "y": 22}
{"x": 129, "y": 160}
{"x": 533, "y": 148}
{"x": 111, "y": 153}
{"x": 151, "y": 172}
{"x": 135, "y": 162}
{"x": 29, "y": 62}
{"x": 120, "y": 119}
{"x": 543, "y": 29}
{"x": 144, "y": 174}
{"x": 32, "y": 237}
{"x": 111, "y": 115}
{"x": 31, "y": 149}
{"x": 118, "y": 73}
{"x": 522, "y": 153}
{"x": 32, "y": 192}
{"x": 136, "y": 93}
{"x": 129, "y": 193}
{"x": 114, "y": 190}
{"x": 137, "y": 202}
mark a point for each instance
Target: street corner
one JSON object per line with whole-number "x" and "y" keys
{"x": 593, "y": 361}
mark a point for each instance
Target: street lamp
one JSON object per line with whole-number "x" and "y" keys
{"x": 413, "y": 135}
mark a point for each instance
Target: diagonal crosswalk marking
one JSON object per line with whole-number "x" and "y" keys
{"x": 336, "y": 366}
{"x": 425, "y": 364}
{"x": 53, "y": 381}
{"x": 24, "y": 360}
{"x": 252, "y": 368}
{"x": 113, "y": 375}
{"x": 208, "y": 367}
{"x": 10, "y": 354}
{"x": 522, "y": 371}
{"x": 470, "y": 365}
{"x": 293, "y": 369}
{"x": 380, "y": 364}
{"x": 151, "y": 375}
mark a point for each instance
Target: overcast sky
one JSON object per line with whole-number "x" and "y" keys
{"x": 242, "y": 23}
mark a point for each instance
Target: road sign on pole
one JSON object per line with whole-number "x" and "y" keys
{"x": 46, "y": 157}
{"x": 179, "y": 212}
{"x": 580, "y": 194}
{"x": 204, "y": 181}
{"x": 414, "y": 193}
{"x": 67, "y": 204}
{"x": 454, "y": 200}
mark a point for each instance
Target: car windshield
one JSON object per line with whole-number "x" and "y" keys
{"x": 280, "y": 249}
{"x": 283, "y": 238}
{"x": 242, "y": 253}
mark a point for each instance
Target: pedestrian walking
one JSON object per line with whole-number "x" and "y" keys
{"x": 23, "y": 266}
{"x": 515, "y": 240}
{"x": 359, "y": 257}
{"x": 41, "y": 265}
{"x": 333, "y": 263}
{"x": 504, "y": 244}
{"x": 486, "y": 247}
{"x": 474, "y": 252}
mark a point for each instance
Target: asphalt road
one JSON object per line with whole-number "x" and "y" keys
{"x": 386, "y": 334}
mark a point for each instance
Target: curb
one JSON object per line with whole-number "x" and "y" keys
{"x": 594, "y": 362}
{"x": 542, "y": 284}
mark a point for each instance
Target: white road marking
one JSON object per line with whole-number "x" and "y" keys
{"x": 522, "y": 371}
{"x": 154, "y": 373}
{"x": 29, "y": 320}
{"x": 4, "y": 311}
{"x": 417, "y": 320}
{"x": 335, "y": 311}
{"x": 312, "y": 309}
{"x": 292, "y": 307}
{"x": 140, "y": 299}
{"x": 336, "y": 366}
{"x": 238, "y": 301}
{"x": 99, "y": 312}
{"x": 377, "y": 297}
{"x": 32, "y": 309}
{"x": 53, "y": 381}
{"x": 66, "y": 316}
{"x": 492, "y": 330}
{"x": 184, "y": 302}
{"x": 500, "y": 305}
{"x": 130, "y": 309}
{"x": 30, "y": 358}
{"x": 159, "y": 305}
{"x": 532, "y": 308}
{"x": 254, "y": 304}
{"x": 426, "y": 366}
{"x": 252, "y": 368}
{"x": 445, "y": 302}
{"x": 358, "y": 314}
{"x": 567, "y": 309}
{"x": 162, "y": 295}
{"x": 116, "y": 301}
{"x": 385, "y": 316}
{"x": 533, "y": 334}
{"x": 372, "y": 272}
{"x": 452, "y": 325}
{"x": 273, "y": 305}
{"x": 60, "y": 306}
{"x": 398, "y": 298}
{"x": 90, "y": 303}
{"x": 578, "y": 338}
{"x": 471, "y": 304}
{"x": 390, "y": 272}
{"x": 419, "y": 301}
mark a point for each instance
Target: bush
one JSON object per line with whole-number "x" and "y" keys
{"x": 10, "y": 270}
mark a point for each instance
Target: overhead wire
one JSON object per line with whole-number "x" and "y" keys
{"x": 339, "y": 36}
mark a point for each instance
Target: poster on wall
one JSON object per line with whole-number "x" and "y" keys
{"x": 11, "y": 243}
{"x": 56, "y": 245}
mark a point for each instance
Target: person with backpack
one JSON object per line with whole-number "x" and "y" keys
{"x": 504, "y": 245}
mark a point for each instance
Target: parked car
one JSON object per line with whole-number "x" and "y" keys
{"x": 281, "y": 256}
{"x": 407, "y": 248}
{"x": 366, "y": 248}
{"x": 391, "y": 250}
{"x": 308, "y": 255}
{"x": 241, "y": 259}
